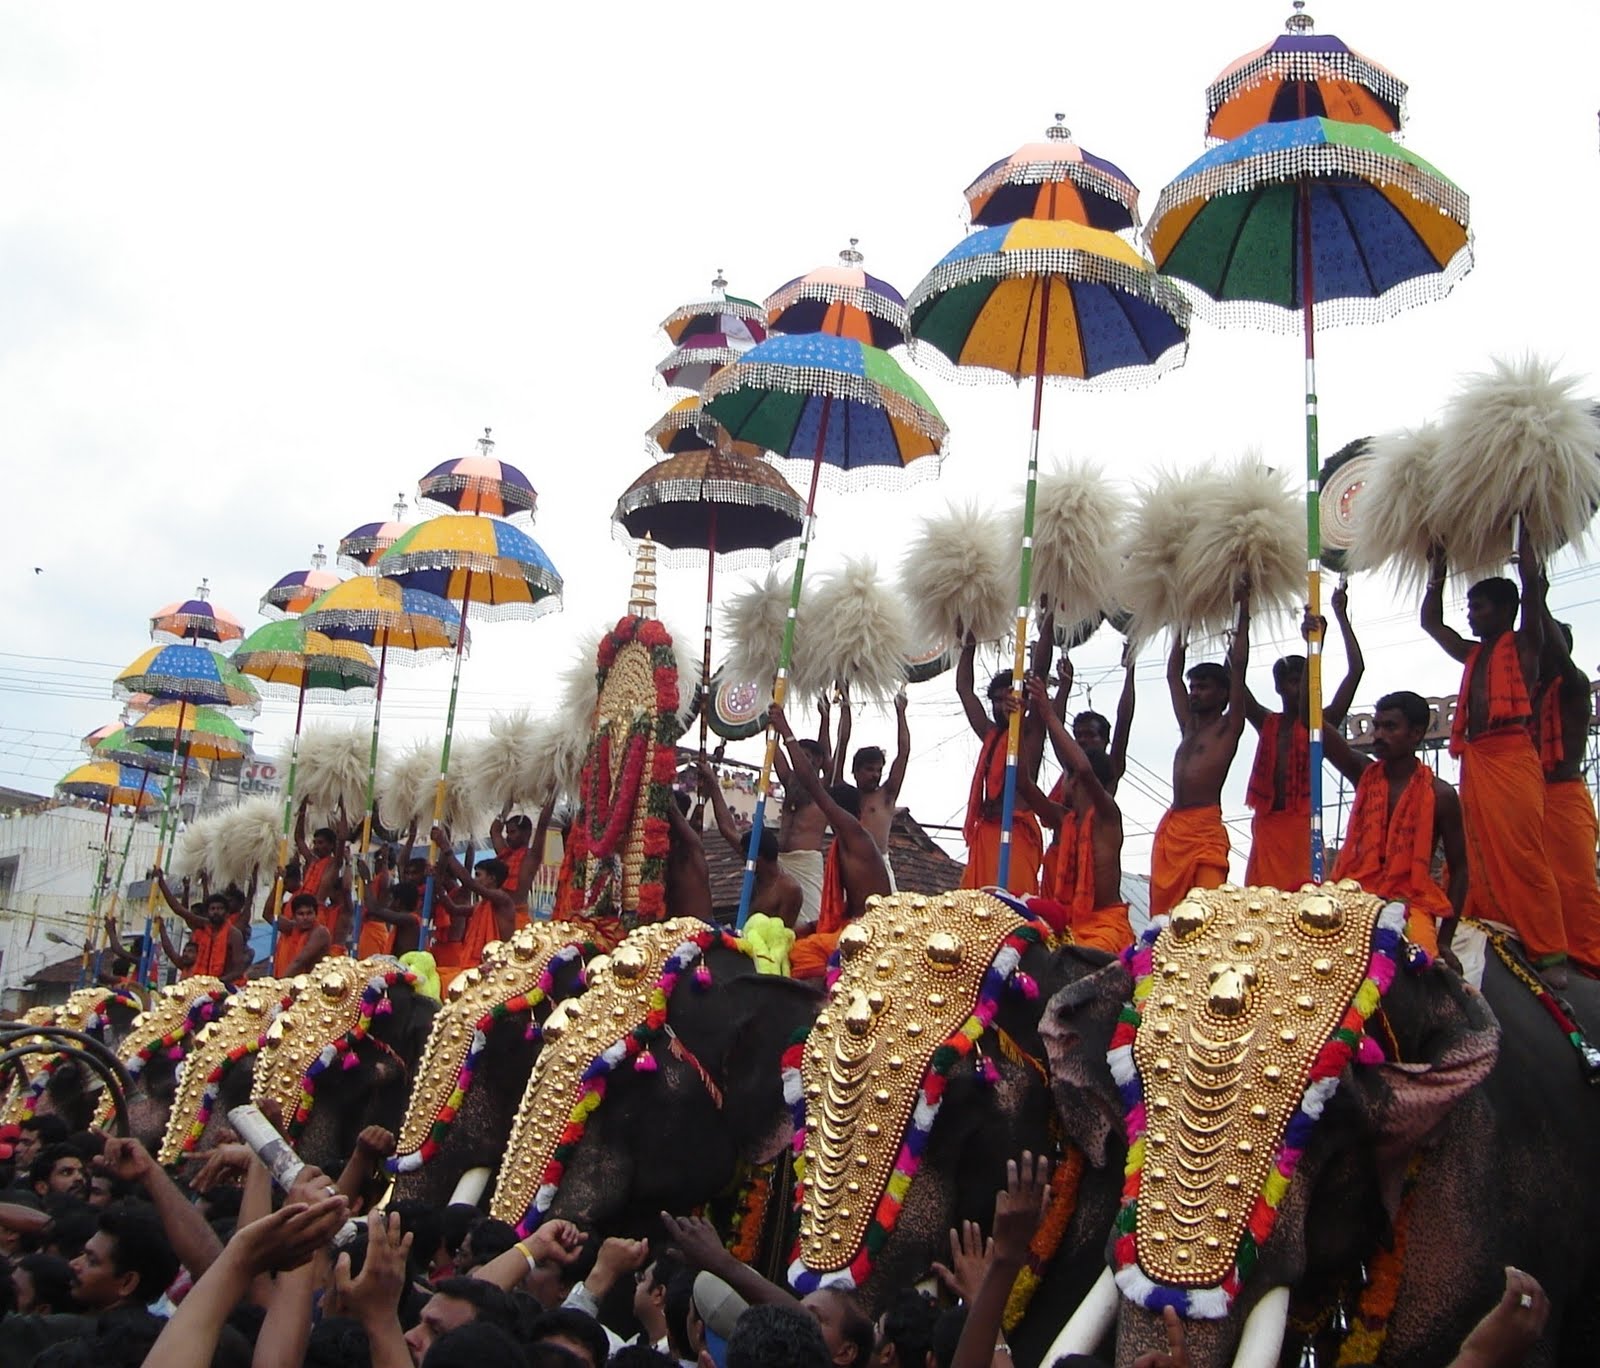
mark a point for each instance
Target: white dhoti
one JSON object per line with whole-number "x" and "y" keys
{"x": 805, "y": 867}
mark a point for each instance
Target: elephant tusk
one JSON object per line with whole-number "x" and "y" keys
{"x": 470, "y": 1186}
{"x": 1262, "y": 1339}
{"x": 1088, "y": 1324}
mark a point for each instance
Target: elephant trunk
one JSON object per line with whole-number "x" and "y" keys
{"x": 1088, "y": 1325}
{"x": 1262, "y": 1339}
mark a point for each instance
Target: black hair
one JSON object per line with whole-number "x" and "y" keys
{"x": 680, "y": 800}
{"x": 773, "y": 1336}
{"x": 50, "y": 1128}
{"x": 854, "y": 1324}
{"x": 1499, "y": 591}
{"x": 1566, "y": 633}
{"x": 216, "y": 898}
{"x": 72, "y": 1225}
{"x": 868, "y": 755}
{"x": 490, "y": 1302}
{"x": 45, "y": 1161}
{"x": 768, "y": 849}
{"x": 520, "y": 820}
{"x": 947, "y": 1335}
{"x": 52, "y": 1280}
{"x": 570, "y": 1323}
{"x": 680, "y": 1295}
{"x": 424, "y": 1222}
{"x": 847, "y": 796}
{"x": 812, "y": 748}
{"x": 1097, "y": 720}
{"x": 1411, "y": 706}
{"x": 404, "y": 896}
{"x": 1000, "y": 683}
{"x": 459, "y": 1218}
{"x": 140, "y": 1246}
{"x": 640, "y": 1356}
{"x": 908, "y": 1325}
{"x": 495, "y": 869}
{"x": 549, "y": 1354}
{"x": 1284, "y": 664}
{"x": 338, "y": 1342}
{"x": 302, "y": 900}
{"x": 491, "y": 1238}
{"x": 328, "y": 834}
{"x": 474, "y": 1344}
{"x": 1211, "y": 672}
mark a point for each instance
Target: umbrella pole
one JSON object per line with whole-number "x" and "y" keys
{"x": 372, "y": 777}
{"x": 705, "y": 642}
{"x": 94, "y": 903}
{"x": 1313, "y": 540}
{"x": 169, "y": 823}
{"x": 122, "y": 870}
{"x": 275, "y": 899}
{"x": 780, "y": 684}
{"x": 444, "y": 763}
{"x": 1019, "y": 662}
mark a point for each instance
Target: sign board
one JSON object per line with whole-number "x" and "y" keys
{"x": 260, "y": 778}
{"x": 1358, "y": 727}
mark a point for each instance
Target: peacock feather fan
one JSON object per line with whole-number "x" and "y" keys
{"x": 857, "y": 635}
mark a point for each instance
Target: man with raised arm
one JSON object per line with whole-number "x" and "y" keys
{"x": 520, "y": 843}
{"x": 777, "y": 893}
{"x": 801, "y": 826}
{"x": 1089, "y": 882}
{"x": 985, "y": 801}
{"x": 216, "y": 946}
{"x": 1565, "y": 711}
{"x": 1279, "y": 795}
{"x": 879, "y": 795}
{"x": 325, "y": 877}
{"x": 855, "y": 868}
{"x": 493, "y": 917}
{"x": 1502, "y": 786}
{"x": 1191, "y": 843}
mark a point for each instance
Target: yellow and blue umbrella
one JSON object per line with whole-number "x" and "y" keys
{"x": 105, "y": 781}
{"x": 1311, "y": 223}
{"x": 188, "y": 674}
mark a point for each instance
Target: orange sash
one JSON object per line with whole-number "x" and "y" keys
{"x": 1508, "y": 691}
{"x": 376, "y": 938}
{"x": 290, "y": 944}
{"x": 1391, "y": 855}
{"x": 1552, "y": 743}
{"x": 1074, "y": 881}
{"x": 835, "y": 900}
{"x": 311, "y": 880}
{"x": 1570, "y": 833}
{"x": 1297, "y": 770}
{"x": 210, "y": 951}
{"x": 1027, "y": 849}
{"x": 989, "y": 785}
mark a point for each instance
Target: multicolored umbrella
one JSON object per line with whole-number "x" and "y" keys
{"x": 190, "y": 674}
{"x": 741, "y": 319}
{"x": 299, "y": 589}
{"x": 479, "y": 484}
{"x": 846, "y": 407}
{"x": 360, "y": 547}
{"x": 694, "y": 361}
{"x": 711, "y": 504}
{"x": 105, "y": 781}
{"x": 202, "y": 733}
{"x": 1302, "y": 74}
{"x": 1050, "y": 300}
{"x": 685, "y": 428}
{"x": 92, "y": 739}
{"x": 1311, "y": 223}
{"x": 194, "y": 620}
{"x": 841, "y": 301}
{"x": 1054, "y": 179}
{"x": 119, "y": 747}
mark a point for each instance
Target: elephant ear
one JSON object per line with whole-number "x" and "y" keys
{"x": 1076, "y": 1028}
{"x": 1448, "y": 1042}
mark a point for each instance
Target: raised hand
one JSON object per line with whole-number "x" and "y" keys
{"x": 1175, "y": 1355}
{"x": 969, "y": 1256}
{"x": 289, "y": 1236}
{"x": 376, "y": 1292}
{"x": 224, "y": 1165}
{"x": 1019, "y": 1209}
{"x": 696, "y": 1238}
{"x": 376, "y": 1141}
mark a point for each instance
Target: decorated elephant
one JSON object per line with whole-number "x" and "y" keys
{"x": 1325, "y": 1130}
{"x": 473, "y": 1072}
{"x": 153, "y": 1047}
{"x": 55, "y": 1082}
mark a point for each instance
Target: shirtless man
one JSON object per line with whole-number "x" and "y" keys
{"x": 520, "y": 843}
{"x": 1280, "y": 779}
{"x": 1191, "y": 844}
{"x": 777, "y": 893}
{"x": 801, "y": 826}
{"x": 1376, "y": 851}
{"x": 1096, "y": 915}
{"x": 879, "y": 796}
{"x": 1093, "y": 731}
{"x": 1502, "y": 784}
{"x": 325, "y": 878}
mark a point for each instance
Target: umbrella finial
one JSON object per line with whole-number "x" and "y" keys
{"x": 319, "y": 558}
{"x": 204, "y": 591}
{"x": 486, "y": 442}
{"x": 1299, "y": 21}
{"x": 719, "y": 282}
{"x": 851, "y": 256}
{"x": 642, "y": 597}
{"x": 400, "y": 506}
{"x": 1058, "y": 131}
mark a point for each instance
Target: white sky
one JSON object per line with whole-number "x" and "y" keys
{"x": 261, "y": 269}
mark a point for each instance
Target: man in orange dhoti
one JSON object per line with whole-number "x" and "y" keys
{"x": 1566, "y": 708}
{"x": 323, "y": 860}
{"x": 1502, "y": 786}
{"x": 1400, "y": 814}
{"x": 492, "y": 918}
{"x": 1191, "y": 844}
{"x": 1089, "y": 847}
{"x": 1279, "y": 795}
{"x": 984, "y": 803}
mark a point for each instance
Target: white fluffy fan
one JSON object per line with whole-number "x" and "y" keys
{"x": 504, "y": 766}
{"x": 1163, "y": 520}
{"x": 1515, "y": 441}
{"x": 1247, "y": 521}
{"x": 856, "y": 633}
{"x": 753, "y": 622}
{"x": 333, "y": 770}
{"x": 563, "y": 741}
{"x": 1076, "y": 519}
{"x": 406, "y": 789}
{"x": 960, "y": 575}
{"x": 192, "y": 853}
{"x": 246, "y": 842}
{"x": 1391, "y": 523}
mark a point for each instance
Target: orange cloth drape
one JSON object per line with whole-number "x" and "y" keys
{"x": 1027, "y": 850}
{"x": 1508, "y": 691}
{"x": 1190, "y": 851}
{"x": 376, "y": 938}
{"x": 311, "y": 880}
{"x": 1552, "y": 744}
{"x": 808, "y": 956}
{"x": 1570, "y": 833}
{"x": 835, "y": 900}
{"x": 210, "y": 951}
{"x": 1392, "y": 856}
{"x": 1297, "y": 773}
{"x": 290, "y": 943}
{"x": 1508, "y": 869}
{"x": 1280, "y": 849}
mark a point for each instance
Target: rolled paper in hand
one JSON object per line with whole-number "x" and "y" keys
{"x": 271, "y": 1148}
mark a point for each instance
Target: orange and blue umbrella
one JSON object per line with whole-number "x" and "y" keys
{"x": 841, "y": 301}
{"x": 1054, "y": 179}
{"x": 189, "y": 674}
{"x": 1302, "y": 74}
{"x": 479, "y": 484}
{"x": 741, "y": 319}
{"x": 496, "y": 568}
{"x": 195, "y": 619}
{"x": 299, "y": 589}
{"x": 360, "y": 547}
{"x": 1310, "y": 223}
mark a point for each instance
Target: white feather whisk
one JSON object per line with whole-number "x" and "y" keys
{"x": 333, "y": 770}
{"x": 1391, "y": 522}
{"x": 1076, "y": 519}
{"x": 1247, "y": 521}
{"x": 960, "y": 575}
{"x": 246, "y": 843}
{"x": 857, "y": 634}
{"x": 406, "y": 788}
{"x": 753, "y": 621}
{"x": 1162, "y": 521}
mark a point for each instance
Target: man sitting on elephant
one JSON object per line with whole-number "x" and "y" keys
{"x": 492, "y": 918}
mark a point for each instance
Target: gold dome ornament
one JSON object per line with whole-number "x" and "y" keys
{"x": 162, "y": 1025}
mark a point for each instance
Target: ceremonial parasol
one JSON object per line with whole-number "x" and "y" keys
{"x": 202, "y": 733}
{"x": 472, "y": 559}
{"x": 844, "y": 406}
{"x": 360, "y": 547}
{"x": 113, "y": 785}
{"x": 1054, "y": 179}
{"x": 299, "y": 589}
{"x": 120, "y": 747}
{"x": 380, "y": 614}
{"x": 1051, "y": 300}
{"x": 694, "y": 361}
{"x": 713, "y": 504}
{"x": 1310, "y": 223}
{"x": 1303, "y": 73}
{"x": 194, "y": 620}
{"x": 842, "y": 301}
{"x": 479, "y": 484}
{"x": 740, "y": 319}
{"x": 684, "y": 428}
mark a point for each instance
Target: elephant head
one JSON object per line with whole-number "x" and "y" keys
{"x": 153, "y": 1047}
{"x": 654, "y": 1084}
{"x": 1289, "y": 1070}
{"x": 57, "y": 1082}
{"x": 475, "y": 1067}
